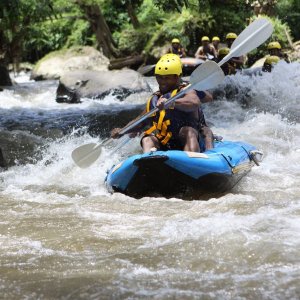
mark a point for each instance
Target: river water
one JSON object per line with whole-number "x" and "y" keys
{"x": 63, "y": 236}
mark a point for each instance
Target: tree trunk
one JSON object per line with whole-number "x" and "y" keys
{"x": 101, "y": 30}
{"x": 134, "y": 62}
{"x": 289, "y": 38}
{"x": 134, "y": 20}
{"x": 4, "y": 74}
{"x": 11, "y": 49}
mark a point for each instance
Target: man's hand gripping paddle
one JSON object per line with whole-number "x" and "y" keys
{"x": 205, "y": 77}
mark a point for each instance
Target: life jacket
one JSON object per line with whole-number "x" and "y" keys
{"x": 282, "y": 57}
{"x": 167, "y": 123}
{"x": 238, "y": 66}
{"x": 210, "y": 51}
{"x": 176, "y": 51}
{"x": 227, "y": 68}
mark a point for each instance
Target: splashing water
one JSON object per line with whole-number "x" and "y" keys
{"x": 64, "y": 236}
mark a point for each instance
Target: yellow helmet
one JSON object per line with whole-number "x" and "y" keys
{"x": 172, "y": 55}
{"x": 272, "y": 59}
{"x": 224, "y": 51}
{"x": 274, "y": 45}
{"x": 231, "y": 36}
{"x": 215, "y": 38}
{"x": 205, "y": 38}
{"x": 175, "y": 41}
{"x": 168, "y": 66}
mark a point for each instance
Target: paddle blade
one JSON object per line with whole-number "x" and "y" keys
{"x": 206, "y": 76}
{"x": 86, "y": 155}
{"x": 252, "y": 36}
{"x": 145, "y": 69}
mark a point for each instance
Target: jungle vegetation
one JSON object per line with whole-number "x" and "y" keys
{"x": 29, "y": 29}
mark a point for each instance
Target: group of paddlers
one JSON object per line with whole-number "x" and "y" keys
{"x": 211, "y": 51}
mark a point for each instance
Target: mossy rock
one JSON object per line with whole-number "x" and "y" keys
{"x": 56, "y": 63}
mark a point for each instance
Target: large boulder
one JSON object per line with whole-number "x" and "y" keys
{"x": 19, "y": 147}
{"x": 56, "y": 63}
{"x": 93, "y": 84}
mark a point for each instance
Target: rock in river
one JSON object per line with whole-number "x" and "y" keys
{"x": 93, "y": 84}
{"x": 56, "y": 63}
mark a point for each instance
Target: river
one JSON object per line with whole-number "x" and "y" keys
{"x": 63, "y": 236}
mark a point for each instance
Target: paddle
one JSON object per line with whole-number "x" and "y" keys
{"x": 119, "y": 146}
{"x": 205, "y": 77}
{"x": 209, "y": 56}
{"x": 250, "y": 38}
{"x": 145, "y": 69}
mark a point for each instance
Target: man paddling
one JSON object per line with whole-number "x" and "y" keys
{"x": 206, "y": 50}
{"x": 176, "y": 48}
{"x": 269, "y": 63}
{"x": 238, "y": 60}
{"x": 179, "y": 125}
{"x": 215, "y": 42}
{"x": 228, "y": 67}
{"x": 274, "y": 49}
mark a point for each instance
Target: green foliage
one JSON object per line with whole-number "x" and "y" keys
{"x": 115, "y": 17}
{"x": 171, "y": 5}
{"x": 130, "y": 41}
{"x": 58, "y": 24}
{"x": 289, "y": 12}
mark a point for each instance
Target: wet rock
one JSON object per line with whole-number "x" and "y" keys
{"x": 93, "y": 84}
{"x": 56, "y": 63}
{"x": 3, "y": 164}
{"x": 19, "y": 148}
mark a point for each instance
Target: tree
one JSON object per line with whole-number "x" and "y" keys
{"x": 289, "y": 11}
{"x": 15, "y": 18}
{"x": 100, "y": 28}
{"x": 171, "y": 5}
{"x": 130, "y": 8}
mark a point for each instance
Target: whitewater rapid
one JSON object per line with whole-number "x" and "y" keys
{"x": 63, "y": 236}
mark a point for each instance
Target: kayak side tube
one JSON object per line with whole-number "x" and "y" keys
{"x": 172, "y": 172}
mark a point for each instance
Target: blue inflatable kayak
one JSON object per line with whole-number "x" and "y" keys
{"x": 173, "y": 172}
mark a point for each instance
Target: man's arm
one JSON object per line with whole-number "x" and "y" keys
{"x": 188, "y": 102}
{"x": 197, "y": 54}
{"x": 204, "y": 96}
{"x": 183, "y": 52}
{"x": 239, "y": 61}
{"x": 137, "y": 128}
{"x": 214, "y": 51}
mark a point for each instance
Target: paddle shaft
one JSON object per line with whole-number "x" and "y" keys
{"x": 119, "y": 146}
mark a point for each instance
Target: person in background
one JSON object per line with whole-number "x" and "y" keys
{"x": 239, "y": 60}
{"x": 176, "y": 48}
{"x": 228, "y": 67}
{"x": 206, "y": 50}
{"x": 215, "y": 42}
{"x": 179, "y": 125}
{"x": 269, "y": 63}
{"x": 274, "y": 50}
